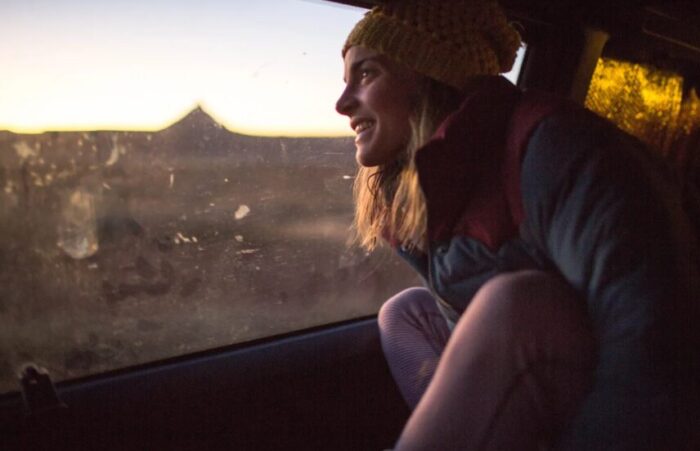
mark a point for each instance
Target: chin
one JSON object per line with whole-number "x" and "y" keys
{"x": 371, "y": 156}
{"x": 365, "y": 160}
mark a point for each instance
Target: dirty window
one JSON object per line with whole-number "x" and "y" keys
{"x": 174, "y": 178}
{"x": 659, "y": 106}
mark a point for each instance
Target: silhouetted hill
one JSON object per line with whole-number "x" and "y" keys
{"x": 197, "y": 120}
{"x": 196, "y": 135}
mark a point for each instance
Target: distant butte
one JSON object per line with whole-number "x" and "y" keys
{"x": 196, "y": 119}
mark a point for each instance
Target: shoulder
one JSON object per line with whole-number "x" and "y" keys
{"x": 560, "y": 140}
{"x": 574, "y": 145}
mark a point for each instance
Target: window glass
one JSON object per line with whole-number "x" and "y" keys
{"x": 514, "y": 73}
{"x": 640, "y": 99}
{"x": 174, "y": 178}
{"x": 657, "y": 106}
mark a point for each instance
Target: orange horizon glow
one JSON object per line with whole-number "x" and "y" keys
{"x": 320, "y": 119}
{"x": 154, "y": 127}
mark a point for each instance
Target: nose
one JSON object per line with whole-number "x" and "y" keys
{"x": 346, "y": 102}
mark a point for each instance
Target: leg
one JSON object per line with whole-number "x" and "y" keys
{"x": 413, "y": 334}
{"x": 518, "y": 364}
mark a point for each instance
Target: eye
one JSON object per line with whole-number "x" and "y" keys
{"x": 367, "y": 73}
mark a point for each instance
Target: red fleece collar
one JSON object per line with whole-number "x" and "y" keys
{"x": 470, "y": 169}
{"x": 460, "y": 165}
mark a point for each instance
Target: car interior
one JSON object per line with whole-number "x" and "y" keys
{"x": 328, "y": 387}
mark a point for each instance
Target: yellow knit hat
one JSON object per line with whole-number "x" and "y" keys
{"x": 449, "y": 41}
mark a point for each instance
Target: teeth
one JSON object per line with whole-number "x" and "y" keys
{"x": 363, "y": 126}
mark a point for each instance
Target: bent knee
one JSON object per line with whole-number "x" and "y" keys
{"x": 528, "y": 298}
{"x": 406, "y": 303}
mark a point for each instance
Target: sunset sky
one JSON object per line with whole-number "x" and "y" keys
{"x": 269, "y": 67}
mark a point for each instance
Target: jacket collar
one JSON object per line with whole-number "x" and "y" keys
{"x": 462, "y": 162}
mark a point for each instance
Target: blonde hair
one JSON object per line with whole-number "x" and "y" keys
{"x": 389, "y": 202}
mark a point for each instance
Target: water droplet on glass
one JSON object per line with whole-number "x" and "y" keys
{"x": 242, "y": 212}
{"x": 77, "y": 229}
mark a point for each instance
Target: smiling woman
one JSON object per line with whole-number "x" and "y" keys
{"x": 377, "y": 101}
{"x": 186, "y": 282}
{"x": 161, "y": 239}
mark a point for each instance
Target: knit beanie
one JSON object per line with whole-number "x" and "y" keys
{"x": 449, "y": 41}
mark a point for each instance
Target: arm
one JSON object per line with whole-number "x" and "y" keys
{"x": 608, "y": 216}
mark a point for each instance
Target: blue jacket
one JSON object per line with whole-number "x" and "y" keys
{"x": 519, "y": 180}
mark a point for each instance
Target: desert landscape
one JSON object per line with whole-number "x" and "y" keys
{"x": 119, "y": 248}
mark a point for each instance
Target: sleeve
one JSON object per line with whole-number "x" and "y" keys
{"x": 607, "y": 214}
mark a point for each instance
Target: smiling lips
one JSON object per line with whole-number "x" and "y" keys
{"x": 362, "y": 127}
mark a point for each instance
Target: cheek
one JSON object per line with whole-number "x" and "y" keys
{"x": 392, "y": 103}
{"x": 400, "y": 103}
{"x": 392, "y": 96}
{"x": 400, "y": 123}
{"x": 401, "y": 106}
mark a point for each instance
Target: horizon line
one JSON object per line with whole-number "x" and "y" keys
{"x": 246, "y": 131}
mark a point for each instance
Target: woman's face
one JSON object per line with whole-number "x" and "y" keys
{"x": 378, "y": 98}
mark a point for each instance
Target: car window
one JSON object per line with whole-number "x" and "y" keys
{"x": 174, "y": 178}
{"x": 657, "y": 105}
{"x": 514, "y": 74}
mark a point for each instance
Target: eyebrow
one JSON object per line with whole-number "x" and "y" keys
{"x": 354, "y": 66}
